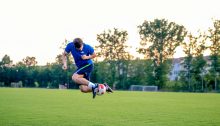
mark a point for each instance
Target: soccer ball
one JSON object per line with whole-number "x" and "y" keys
{"x": 101, "y": 89}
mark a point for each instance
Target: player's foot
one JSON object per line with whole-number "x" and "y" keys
{"x": 94, "y": 90}
{"x": 108, "y": 88}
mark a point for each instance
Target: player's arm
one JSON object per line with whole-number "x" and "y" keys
{"x": 85, "y": 57}
{"x": 64, "y": 59}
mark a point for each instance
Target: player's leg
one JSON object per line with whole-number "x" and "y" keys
{"x": 85, "y": 89}
{"x": 79, "y": 79}
{"x": 85, "y": 85}
{"x": 82, "y": 77}
{"x": 108, "y": 88}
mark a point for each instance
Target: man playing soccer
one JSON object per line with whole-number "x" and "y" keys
{"x": 83, "y": 55}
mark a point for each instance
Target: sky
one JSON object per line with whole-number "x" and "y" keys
{"x": 39, "y": 27}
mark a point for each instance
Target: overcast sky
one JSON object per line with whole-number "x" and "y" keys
{"x": 38, "y": 27}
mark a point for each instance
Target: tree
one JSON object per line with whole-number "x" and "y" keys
{"x": 113, "y": 49}
{"x": 30, "y": 61}
{"x": 199, "y": 63}
{"x": 140, "y": 72}
{"x": 6, "y": 60}
{"x": 5, "y": 70}
{"x": 189, "y": 50}
{"x": 214, "y": 36}
{"x": 159, "y": 40}
{"x": 21, "y": 72}
{"x": 194, "y": 62}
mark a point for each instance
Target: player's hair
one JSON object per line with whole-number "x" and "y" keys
{"x": 78, "y": 42}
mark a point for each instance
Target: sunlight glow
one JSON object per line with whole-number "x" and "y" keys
{"x": 38, "y": 27}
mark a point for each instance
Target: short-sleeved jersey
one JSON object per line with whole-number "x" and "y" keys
{"x": 77, "y": 54}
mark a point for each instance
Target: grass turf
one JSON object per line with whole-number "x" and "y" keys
{"x": 47, "y": 107}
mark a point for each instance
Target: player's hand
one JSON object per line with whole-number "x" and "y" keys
{"x": 85, "y": 57}
{"x": 64, "y": 67}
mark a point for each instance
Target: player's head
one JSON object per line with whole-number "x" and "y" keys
{"x": 78, "y": 43}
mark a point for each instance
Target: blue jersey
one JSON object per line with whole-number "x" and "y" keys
{"x": 77, "y": 54}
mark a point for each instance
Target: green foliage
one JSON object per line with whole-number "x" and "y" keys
{"x": 113, "y": 49}
{"x": 160, "y": 74}
{"x": 159, "y": 40}
{"x": 31, "y": 75}
{"x": 6, "y": 60}
{"x": 116, "y": 66}
{"x": 37, "y": 107}
{"x": 30, "y": 61}
{"x": 174, "y": 86}
{"x": 188, "y": 48}
{"x": 140, "y": 72}
{"x": 214, "y": 36}
{"x": 198, "y": 72}
{"x": 112, "y": 45}
{"x": 194, "y": 62}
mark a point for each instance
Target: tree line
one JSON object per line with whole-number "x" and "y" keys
{"x": 116, "y": 66}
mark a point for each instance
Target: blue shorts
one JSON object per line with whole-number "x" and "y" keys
{"x": 85, "y": 70}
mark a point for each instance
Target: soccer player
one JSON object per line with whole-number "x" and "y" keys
{"x": 83, "y": 55}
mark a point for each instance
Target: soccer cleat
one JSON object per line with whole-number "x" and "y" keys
{"x": 108, "y": 88}
{"x": 94, "y": 91}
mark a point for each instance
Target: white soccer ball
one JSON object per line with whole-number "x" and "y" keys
{"x": 101, "y": 89}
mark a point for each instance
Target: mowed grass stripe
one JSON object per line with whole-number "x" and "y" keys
{"x": 52, "y": 107}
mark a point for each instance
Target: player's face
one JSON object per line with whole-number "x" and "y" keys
{"x": 80, "y": 49}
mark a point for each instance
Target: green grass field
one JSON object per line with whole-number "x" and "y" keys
{"x": 47, "y": 107}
